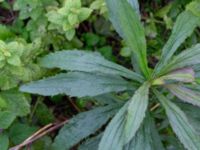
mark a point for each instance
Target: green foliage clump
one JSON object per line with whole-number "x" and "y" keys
{"x": 68, "y": 17}
{"x": 17, "y": 63}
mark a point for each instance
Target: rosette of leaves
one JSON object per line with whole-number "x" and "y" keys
{"x": 132, "y": 125}
{"x": 17, "y": 63}
{"x": 67, "y": 18}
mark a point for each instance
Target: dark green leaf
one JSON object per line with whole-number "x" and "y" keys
{"x": 181, "y": 30}
{"x": 126, "y": 122}
{"x": 187, "y": 58}
{"x": 127, "y": 23}
{"x": 82, "y": 126}
{"x": 17, "y": 103}
{"x": 136, "y": 111}
{"x": 6, "y": 118}
{"x": 4, "y": 142}
{"x": 146, "y": 138}
{"x": 185, "y": 94}
{"x": 113, "y": 137}
{"x": 75, "y": 60}
{"x": 78, "y": 84}
{"x": 180, "y": 124}
{"x": 19, "y": 132}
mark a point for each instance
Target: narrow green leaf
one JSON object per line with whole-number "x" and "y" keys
{"x": 135, "y": 5}
{"x": 113, "y": 137}
{"x": 180, "y": 123}
{"x": 188, "y": 57}
{"x": 82, "y": 125}
{"x": 78, "y": 84}
{"x": 185, "y": 94}
{"x": 75, "y": 60}
{"x": 4, "y": 142}
{"x": 185, "y": 75}
{"x": 136, "y": 111}
{"x": 126, "y": 122}
{"x": 147, "y": 137}
{"x": 184, "y": 27}
{"x": 127, "y": 23}
{"x": 193, "y": 114}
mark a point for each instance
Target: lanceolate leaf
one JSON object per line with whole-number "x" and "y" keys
{"x": 185, "y": 75}
{"x": 147, "y": 137}
{"x": 184, "y": 26}
{"x": 75, "y": 60}
{"x": 180, "y": 124}
{"x": 135, "y": 5}
{"x": 127, "y": 23}
{"x": 185, "y": 94}
{"x": 136, "y": 111}
{"x": 82, "y": 126}
{"x": 188, "y": 57}
{"x": 126, "y": 122}
{"x": 113, "y": 137}
{"x": 78, "y": 84}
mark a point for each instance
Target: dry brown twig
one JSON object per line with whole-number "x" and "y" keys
{"x": 40, "y": 133}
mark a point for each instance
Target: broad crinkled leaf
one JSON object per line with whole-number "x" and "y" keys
{"x": 82, "y": 125}
{"x": 146, "y": 138}
{"x": 185, "y": 94}
{"x": 180, "y": 124}
{"x": 17, "y": 103}
{"x": 184, "y": 27}
{"x": 75, "y": 60}
{"x": 127, "y": 23}
{"x": 136, "y": 111}
{"x": 18, "y": 132}
{"x": 6, "y": 119}
{"x": 78, "y": 84}
{"x": 126, "y": 122}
